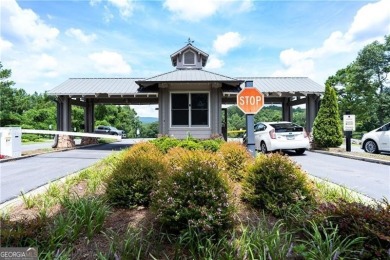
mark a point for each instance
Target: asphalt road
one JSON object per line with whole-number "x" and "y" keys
{"x": 30, "y": 173}
{"x": 370, "y": 179}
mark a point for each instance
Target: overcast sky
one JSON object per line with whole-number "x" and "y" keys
{"x": 46, "y": 42}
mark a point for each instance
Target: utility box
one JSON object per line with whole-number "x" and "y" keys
{"x": 11, "y": 141}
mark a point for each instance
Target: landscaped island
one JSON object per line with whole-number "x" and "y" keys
{"x": 196, "y": 199}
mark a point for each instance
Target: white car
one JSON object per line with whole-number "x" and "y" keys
{"x": 378, "y": 140}
{"x": 274, "y": 136}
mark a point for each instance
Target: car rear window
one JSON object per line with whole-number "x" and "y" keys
{"x": 281, "y": 128}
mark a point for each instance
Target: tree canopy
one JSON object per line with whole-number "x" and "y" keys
{"x": 38, "y": 111}
{"x": 363, "y": 86}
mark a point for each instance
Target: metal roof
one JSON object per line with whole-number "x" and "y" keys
{"x": 95, "y": 86}
{"x": 285, "y": 84}
{"x": 131, "y": 86}
{"x": 189, "y": 75}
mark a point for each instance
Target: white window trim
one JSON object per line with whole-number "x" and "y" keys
{"x": 189, "y": 110}
{"x": 184, "y": 58}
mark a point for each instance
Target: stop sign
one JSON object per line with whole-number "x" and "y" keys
{"x": 250, "y": 100}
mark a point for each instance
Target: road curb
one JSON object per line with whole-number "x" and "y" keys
{"x": 372, "y": 160}
{"x": 52, "y": 151}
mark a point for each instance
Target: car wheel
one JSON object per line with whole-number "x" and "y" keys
{"x": 300, "y": 151}
{"x": 370, "y": 146}
{"x": 263, "y": 148}
{"x": 115, "y": 133}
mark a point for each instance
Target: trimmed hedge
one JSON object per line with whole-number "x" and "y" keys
{"x": 135, "y": 176}
{"x": 194, "y": 194}
{"x": 276, "y": 183}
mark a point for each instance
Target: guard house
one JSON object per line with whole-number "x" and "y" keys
{"x": 189, "y": 98}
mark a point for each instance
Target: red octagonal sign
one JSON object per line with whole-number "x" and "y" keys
{"x": 250, "y": 100}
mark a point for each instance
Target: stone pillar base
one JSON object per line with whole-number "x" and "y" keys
{"x": 89, "y": 140}
{"x": 65, "y": 141}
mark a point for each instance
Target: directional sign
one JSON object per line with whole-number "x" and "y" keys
{"x": 250, "y": 100}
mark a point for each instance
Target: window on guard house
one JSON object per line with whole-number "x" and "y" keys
{"x": 190, "y": 109}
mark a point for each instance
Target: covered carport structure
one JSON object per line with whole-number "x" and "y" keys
{"x": 88, "y": 92}
{"x": 189, "y": 98}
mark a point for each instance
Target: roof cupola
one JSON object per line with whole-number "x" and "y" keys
{"x": 189, "y": 57}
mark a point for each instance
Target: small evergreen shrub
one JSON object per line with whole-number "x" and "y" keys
{"x": 134, "y": 177}
{"x": 361, "y": 220}
{"x": 190, "y": 144}
{"x": 194, "y": 193}
{"x": 234, "y": 159}
{"x": 327, "y": 130}
{"x": 176, "y": 157}
{"x": 30, "y": 138}
{"x": 212, "y": 145}
{"x": 165, "y": 143}
{"x": 144, "y": 149}
{"x": 20, "y": 233}
{"x": 276, "y": 183}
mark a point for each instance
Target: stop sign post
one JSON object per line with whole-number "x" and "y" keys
{"x": 250, "y": 100}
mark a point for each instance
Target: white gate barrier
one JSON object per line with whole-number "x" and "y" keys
{"x": 51, "y": 132}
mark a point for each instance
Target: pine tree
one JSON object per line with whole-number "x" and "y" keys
{"x": 327, "y": 125}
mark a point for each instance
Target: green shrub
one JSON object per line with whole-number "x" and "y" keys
{"x": 133, "y": 178}
{"x": 234, "y": 159}
{"x": 190, "y": 144}
{"x": 29, "y": 137}
{"x": 194, "y": 193}
{"x": 327, "y": 130}
{"x": 360, "y": 220}
{"x": 21, "y": 233}
{"x": 276, "y": 183}
{"x": 165, "y": 143}
{"x": 212, "y": 145}
{"x": 144, "y": 149}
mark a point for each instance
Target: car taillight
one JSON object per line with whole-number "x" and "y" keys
{"x": 272, "y": 134}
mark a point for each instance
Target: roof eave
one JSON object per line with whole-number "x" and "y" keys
{"x": 229, "y": 82}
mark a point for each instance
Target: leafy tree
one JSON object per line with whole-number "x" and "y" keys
{"x": 363, "y": 87}
{"x": 269, "y": 114}
{"x": 77, "y": 118}
{"x": 8, "y": 115}
{"x": 299, "y": 116}
{"x": 327, "y": 126}
{"x": 374, "y": 61}
{"x": 149, "y": 130}
{"x": 121, "y": 117}
{"x": 39, "y": 118}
